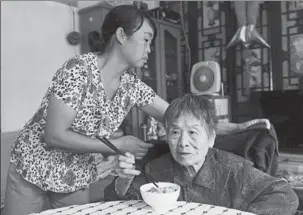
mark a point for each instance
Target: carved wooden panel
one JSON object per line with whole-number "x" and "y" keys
{"x": 292, "y": 42}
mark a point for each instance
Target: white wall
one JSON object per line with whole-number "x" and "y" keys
{"x": 33, "y": 47}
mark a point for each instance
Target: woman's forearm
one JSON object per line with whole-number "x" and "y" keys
{"x": 77, "y": 143}
{"x": 224, "y": 128}
{"x": 229, "y": 128}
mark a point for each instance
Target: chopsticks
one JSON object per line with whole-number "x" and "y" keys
{"x": 113, "y": 147}
{"x": 110, "y": 145}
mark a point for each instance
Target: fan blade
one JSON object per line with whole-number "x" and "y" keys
{"x": 203, "y": 79}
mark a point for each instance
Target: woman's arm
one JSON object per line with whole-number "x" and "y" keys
{"x": 57, "y": 133}
{"x": 156, "y": 109}
{"x": 225, "y": 128}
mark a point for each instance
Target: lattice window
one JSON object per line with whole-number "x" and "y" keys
{"x": 212, "y": 35}
{"x": 292, "y": 34}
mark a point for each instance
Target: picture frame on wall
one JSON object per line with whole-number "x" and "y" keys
{"x": 296, "y": 54}
{"x": 298, "y": 4}
{"x": 211, "y": 13}
{"x": 253, "y": 68}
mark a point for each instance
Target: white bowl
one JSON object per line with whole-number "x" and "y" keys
{"x": 160, "y": 201}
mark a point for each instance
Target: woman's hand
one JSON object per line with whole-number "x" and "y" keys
{"x": 245, "y": 125}
{"x": 225, "y": 128}
{"x": 135, "y": 146}
{"x": 125, "y": 166}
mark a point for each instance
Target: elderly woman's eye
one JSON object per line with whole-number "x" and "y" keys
{"x": 192, "y": 132}
{"x": 175, "y": 133}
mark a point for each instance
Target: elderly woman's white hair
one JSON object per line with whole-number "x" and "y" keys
{"x": 194, "y": 105}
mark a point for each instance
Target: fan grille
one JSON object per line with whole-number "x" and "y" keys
{"x": 203, "y": 79}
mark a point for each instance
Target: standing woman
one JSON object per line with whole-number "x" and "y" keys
{"x": 53, "y": 158}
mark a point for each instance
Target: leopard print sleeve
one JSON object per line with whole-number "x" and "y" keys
{"x": 69, "y": 82}
{"x": 145, "y": 94}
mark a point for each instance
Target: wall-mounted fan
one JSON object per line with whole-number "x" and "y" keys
{"x": 205, "y": 78}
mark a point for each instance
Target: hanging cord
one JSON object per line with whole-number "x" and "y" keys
{"x": 186, "y": 39}
{"x": 73, "y": 37}
{"x": 74, "y": 20}
{"x": 73, "y": 11}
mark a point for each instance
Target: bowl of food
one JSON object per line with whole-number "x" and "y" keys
{"x": 162, "y": 198}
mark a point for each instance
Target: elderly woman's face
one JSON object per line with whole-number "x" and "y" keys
{"x": 188, "y": 140}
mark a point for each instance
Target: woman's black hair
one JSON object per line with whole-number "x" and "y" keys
{"x": 127, "y": 17}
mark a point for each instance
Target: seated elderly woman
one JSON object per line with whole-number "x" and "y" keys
{"x": 205, "y": 174}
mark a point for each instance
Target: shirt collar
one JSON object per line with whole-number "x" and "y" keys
{"x": 205, "y": 176}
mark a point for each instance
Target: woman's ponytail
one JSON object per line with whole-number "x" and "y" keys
{"x": 96, "y": 42}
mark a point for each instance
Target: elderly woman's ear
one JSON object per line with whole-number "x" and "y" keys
{"x": 212, "y": 138}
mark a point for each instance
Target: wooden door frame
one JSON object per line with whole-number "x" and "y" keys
{"x": 231, "y": 60}
{"x": 275, "y": 39}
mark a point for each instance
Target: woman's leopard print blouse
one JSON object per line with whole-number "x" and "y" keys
{"x": 78, "y": 85}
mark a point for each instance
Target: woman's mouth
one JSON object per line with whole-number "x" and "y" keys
{"x": 184, "y": 153}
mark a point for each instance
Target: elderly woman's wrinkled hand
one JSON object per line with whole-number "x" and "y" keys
{"x": 125, "y": 166}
